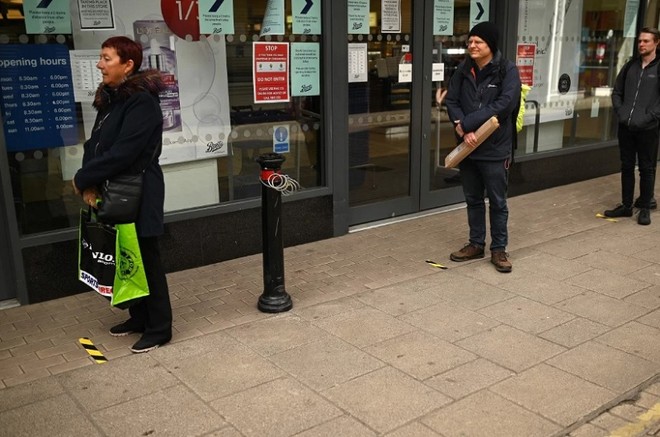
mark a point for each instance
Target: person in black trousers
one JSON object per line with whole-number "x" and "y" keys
{"x": 636, "y": 103}
{"x": 127, "y": 138}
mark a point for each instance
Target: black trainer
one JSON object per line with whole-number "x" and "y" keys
{"x": 146, "y": 345}
{"x": 125, "y": 328}
{"x": 652, "y": 204}
{"x": 619, "y": 211}
{"x": 644, "y": 217}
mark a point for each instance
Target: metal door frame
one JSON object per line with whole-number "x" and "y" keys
{"x": 12, "y": 275}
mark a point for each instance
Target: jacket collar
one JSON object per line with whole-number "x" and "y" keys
{"x": 143, "y": 81}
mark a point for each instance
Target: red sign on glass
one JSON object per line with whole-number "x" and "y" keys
{"x": 525, "y": 61}
{"x": 270, "y": 72}
{"x": 182, "y": 17}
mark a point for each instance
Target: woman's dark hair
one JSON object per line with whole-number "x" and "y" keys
{"x": 126, "y": 49}
{"x": 653, "y": 31}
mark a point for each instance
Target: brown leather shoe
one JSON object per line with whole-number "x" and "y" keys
{"x": 500, "y": 261}
{"x": 468, "y": 252}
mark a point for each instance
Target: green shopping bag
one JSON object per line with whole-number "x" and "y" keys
{"x": 130, "y": 285}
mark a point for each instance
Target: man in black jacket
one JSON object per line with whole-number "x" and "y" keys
{"x": 636, "y": 103}
{"x": 485, "y": 85}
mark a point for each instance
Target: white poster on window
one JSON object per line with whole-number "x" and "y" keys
{"x": 358, "y": 16}
{"x": 390, "y": 17}
{"x": 556, "y": 65}
{"x": 273, "y": 23}
{"x": 438, "y": 72}
{"x": 96, "y": 14}
{"x": 630, "y": 18}
{"x": 358, "y": 67}
{"x": 201, "y": 124}
{"x": 86, "y": 77}
{"x": 443, "y": 17}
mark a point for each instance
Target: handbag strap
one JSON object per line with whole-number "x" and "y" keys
{"x": 153, "y": 156}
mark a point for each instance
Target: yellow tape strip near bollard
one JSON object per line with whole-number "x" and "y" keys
{"x": 599, "y": 215}
{"x": 435, "y": 264}
{"x": 92, "y": 350}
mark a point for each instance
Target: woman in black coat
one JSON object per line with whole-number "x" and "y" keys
{"x": 127, "y": 138}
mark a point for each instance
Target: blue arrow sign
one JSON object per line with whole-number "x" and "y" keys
{"x": 216, "y": 5}
{"x": 306, "y": 17}
{"x": 481, "y": 11}
{"x": 216, "y": 17}
{"x": 308, "y": 6}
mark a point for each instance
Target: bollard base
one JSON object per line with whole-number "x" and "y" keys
{"x": 275, "y": 304}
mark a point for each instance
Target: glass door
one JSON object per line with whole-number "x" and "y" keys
{"x": 398, "y": 132}
{"x": 447, "y": 34}
{"x": 380, "y": 58}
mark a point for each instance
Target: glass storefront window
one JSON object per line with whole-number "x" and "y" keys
{"x": 570, "y": 52}
{"x": 213, "y": 128}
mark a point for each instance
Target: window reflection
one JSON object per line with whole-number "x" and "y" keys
{"x": 579, "y": 48}
{"x": 40, "y": 178}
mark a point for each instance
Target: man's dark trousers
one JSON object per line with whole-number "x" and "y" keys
{"x": 641, "y": 147}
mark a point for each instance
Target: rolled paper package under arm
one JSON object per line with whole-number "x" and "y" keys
{"x": 462, "y": 150}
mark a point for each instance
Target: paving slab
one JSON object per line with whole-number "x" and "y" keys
{"x": 485, "y": 414}
{"x": 420, "y": 354}
{"x": 469, "y": 378}
{"x": 117, "y": 381}
{"x": 216, "y": 366}
{"x": 602, "y": 309}
{"x": 174, "y": 411}
{"x": 603, "y": 365}
{"x": 344, "y": 426}
{"x": 527, "y": 315}
{"x": 414, "y": 429}
{"x": 608, "y": 283}
{"x": 326, "y": 363}
{"x": 277, "y": 334}
{"x": 55, "y": 416}
{"x": 278, "y": 408}
{"x": 400, "y": 399}
{"x": 554, "y": 394}
{"x": 637, "y": 339}
{"x": 648, "y": 298}
{"x": 449, "y": 321}
{"x": 542, "y": 289}
{"x": 364, "y": 326}
{"x": 468, "y": 292}
{"x": 511, "y": 348}
{"x": 30, "y": 392}
{"x": 574, "y": 332}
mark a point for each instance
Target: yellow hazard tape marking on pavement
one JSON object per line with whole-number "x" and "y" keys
{"x": 435, "y": 264}
{"x": 599, "y": 215}
{"x": 643, "y": 422}
{"x": 92, "y": 350}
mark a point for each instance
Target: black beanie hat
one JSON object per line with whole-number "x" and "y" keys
{"x": 488, "y": 32}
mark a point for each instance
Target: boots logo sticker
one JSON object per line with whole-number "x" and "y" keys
{"x": 127, "y": 264}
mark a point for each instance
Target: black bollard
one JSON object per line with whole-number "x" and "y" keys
{"x": 274, "y": 299}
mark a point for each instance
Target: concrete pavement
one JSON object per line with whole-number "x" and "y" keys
{"x": 379, "y": 342}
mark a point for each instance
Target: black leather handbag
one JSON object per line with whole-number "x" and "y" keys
{"x": 120, "y": 199}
